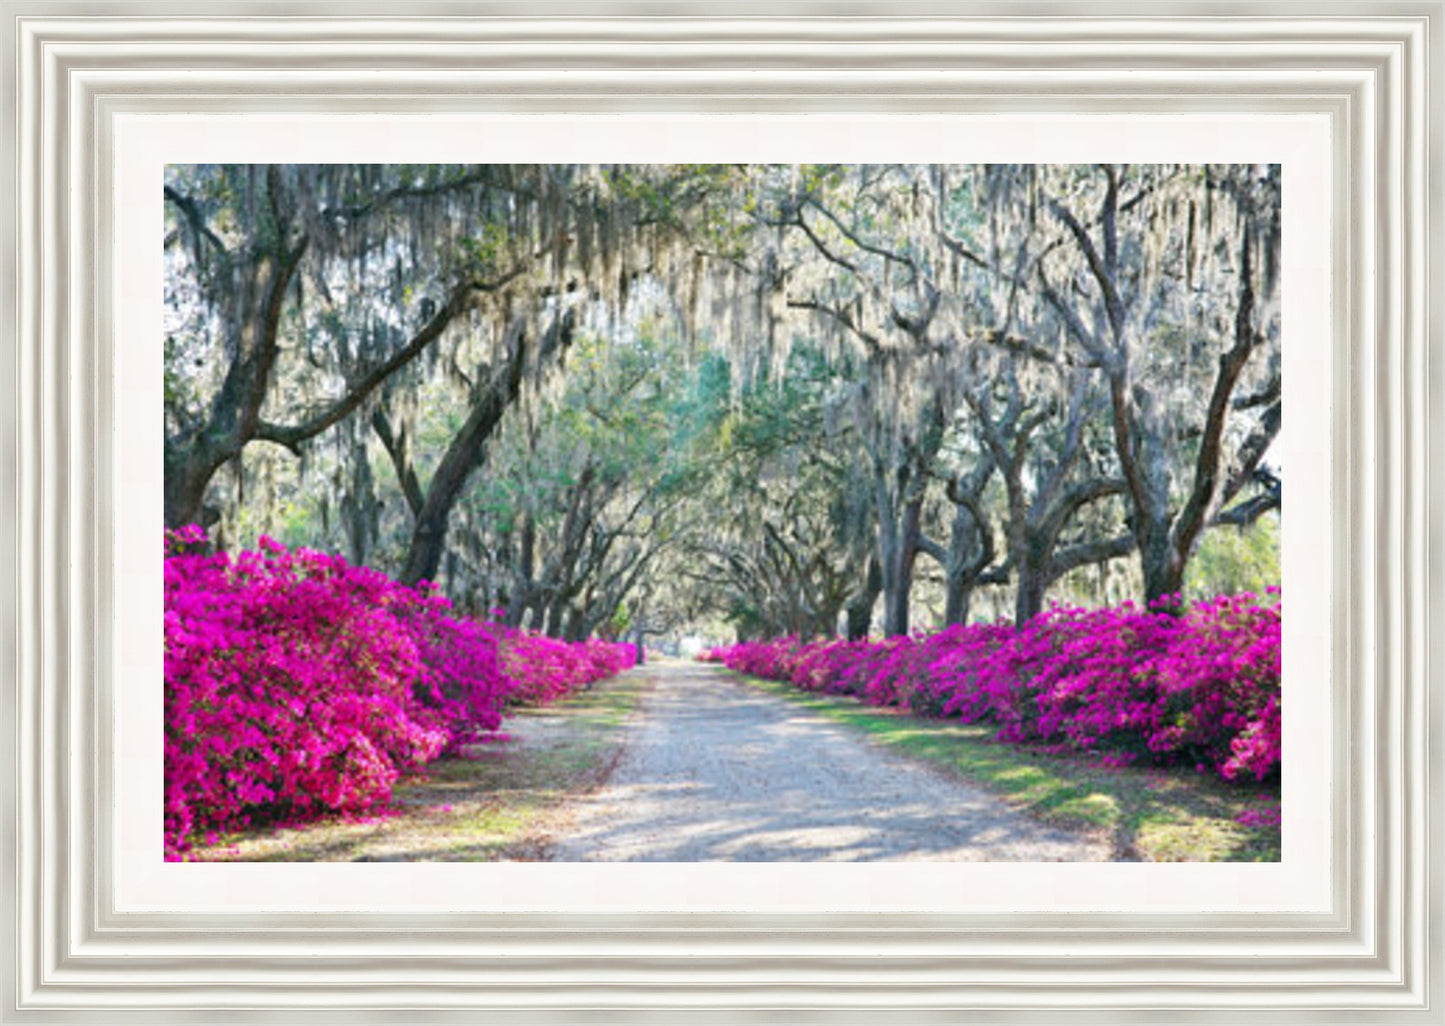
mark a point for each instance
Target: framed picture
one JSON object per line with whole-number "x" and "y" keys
{"x": 1345, "y": 927}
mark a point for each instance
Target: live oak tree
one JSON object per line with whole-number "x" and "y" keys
{"x": 1034, "y": 412}
{"x": 626, "y": 249}
{"x": 489, "y": 399}
{"x": 1167, "y": 279}
{"x": 1043, "y": 492}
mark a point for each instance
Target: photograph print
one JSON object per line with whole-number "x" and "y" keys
{"x": 722, "y": 513}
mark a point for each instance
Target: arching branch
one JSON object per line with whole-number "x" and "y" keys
{"x": 192, "y": 213}
{"x": 457, "y": 303}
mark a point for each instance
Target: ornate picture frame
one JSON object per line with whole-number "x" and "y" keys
{"x": 86, "y": 942}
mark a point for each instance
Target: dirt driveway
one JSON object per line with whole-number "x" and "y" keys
{"x": 718, "y": 771}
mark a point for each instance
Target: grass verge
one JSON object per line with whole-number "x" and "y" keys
{"x": 1148, "y": 813}
{"x": 502, "y": 802}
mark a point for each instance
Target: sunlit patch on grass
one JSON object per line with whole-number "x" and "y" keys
{"x": 1101, "y": 809}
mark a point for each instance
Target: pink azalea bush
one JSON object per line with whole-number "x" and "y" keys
{"x": 1202, "y": 688}
{"x": 299, "y": 685}
{"x": 544, "y": 669}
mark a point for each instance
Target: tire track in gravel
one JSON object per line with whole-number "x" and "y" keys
{"x": 718, "y": 771}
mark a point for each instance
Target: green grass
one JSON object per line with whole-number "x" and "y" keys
{"x": 1147, "y": 813}
{"x": 503, "y": 804}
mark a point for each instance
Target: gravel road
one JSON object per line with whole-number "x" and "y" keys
{"x": 716, "y": 770}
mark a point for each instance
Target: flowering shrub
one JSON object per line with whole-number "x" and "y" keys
{"x": 544, "y": 669}
{"x": 297, "y": 684}
{"x": 1202, "y": 688}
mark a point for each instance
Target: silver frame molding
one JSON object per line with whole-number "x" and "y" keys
{"x": 1373, "y": 68}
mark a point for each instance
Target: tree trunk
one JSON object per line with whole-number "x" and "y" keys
{"x": 895, "y": 603}
{"x": 1032, "y": 585}
{"x": 462, "y": 455}
{"x": 957, "y": 596}
{"x": 970, "y": 546}
{"x": 525, "y": 572}
{"x": 860, "y": 610}
{"x": 234, "y": 414}
{"x": 1162, "y": 567}
{"x": 428, "y": 539}
{"x": 556, "y": 622}
{"x": 187, "y": 475}
{"x": 898, "y": 570}
{"x": 827, "y": 620}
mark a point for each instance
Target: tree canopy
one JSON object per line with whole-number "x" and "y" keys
{"x": 785, "y": 399}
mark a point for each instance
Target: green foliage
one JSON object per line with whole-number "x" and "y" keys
{"x": 619, "y": 623}
{"x": 481, "y": 253}
{"x": 1232, "y": 559}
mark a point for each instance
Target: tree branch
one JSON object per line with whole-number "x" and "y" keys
{"x": 1089, "y": 553}
{"x": 932, "y": 549}
{"x": 821, "y": 246}
{"x": 1250, "y": 510}
{"x": 1076, "y": 498}
{"x": 1123, "y": 425}
{"x": 1269, "y": 393}
{"x": 866, "y": 247}
{"x": 1075, "y": 326}
{"x": 1033, "y": 350}
{"x": 1231, "y": 363}
{"x": 1100, "y": 267}
{"x": 807, "y": 304}
{"x": 396, "y": 447}
{"x": 293, "y": 435}
{"x": 1069, "y": 452}
{"x": 1251, "y": 451}
{"x": 192, "y": 213}
{"x": 477, "y": 177}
